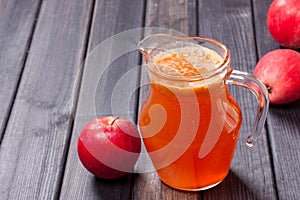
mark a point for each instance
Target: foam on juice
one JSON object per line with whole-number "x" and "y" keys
{"x": 186, "y": 62}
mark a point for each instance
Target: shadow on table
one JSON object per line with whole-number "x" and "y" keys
{"x": 232, "y": 187}
{"x": 112, "y": 189}
{"x": 286, "y": 113}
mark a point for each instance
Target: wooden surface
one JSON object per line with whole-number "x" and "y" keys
{"x": 63, "y": 63}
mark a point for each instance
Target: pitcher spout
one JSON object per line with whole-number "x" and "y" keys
{"x": 148, "y": 45}
{"x": 161, "y": 42}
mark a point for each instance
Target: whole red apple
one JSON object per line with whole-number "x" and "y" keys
{"x": 109, "y": 146}
{"x": 279, "y": 70}
{"x": 283, "y": 21}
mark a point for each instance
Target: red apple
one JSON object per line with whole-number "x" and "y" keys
{"x": 279, "y": 70}
{"x": 109, "y": 146}
{"x": 283, "y": 21}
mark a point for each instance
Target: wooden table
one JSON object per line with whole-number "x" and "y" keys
{"x": 48, "y": 93}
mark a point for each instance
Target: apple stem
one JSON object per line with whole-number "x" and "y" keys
{"x": 269, "y": 88}
{"x": 114, "y": 120}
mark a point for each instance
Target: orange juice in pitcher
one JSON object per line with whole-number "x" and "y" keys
{"x": 189, "y": 122}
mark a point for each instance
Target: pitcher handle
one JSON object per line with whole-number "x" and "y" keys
{"x": 250, "y": 82}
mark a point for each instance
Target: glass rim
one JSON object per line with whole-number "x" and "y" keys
{"x": 200, "y": 41}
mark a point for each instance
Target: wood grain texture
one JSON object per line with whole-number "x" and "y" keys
{"x": 264, "y": 41}
{"x": 108, "y": 87}
{"x": 283, "y": 121}
{"x": 16, "y": 25}
{"x": 284, "y": 138}
{"x": 33, "y": 150}
{"x": 169, "y": 14}
{"x": 251, "y": 172}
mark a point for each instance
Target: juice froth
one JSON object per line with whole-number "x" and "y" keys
{"x": 187, "y": 60}
{"x": 184, "y": 63}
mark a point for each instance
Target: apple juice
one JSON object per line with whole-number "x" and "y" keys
{"x": 190, "y": 127}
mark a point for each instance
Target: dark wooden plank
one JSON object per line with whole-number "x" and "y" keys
{"x": 108, "y": 87}
{"x": 283, "y": 121}
{"x": 34, "y": 148}
{"x": 264, "y": 41}
{"x": 251, "y": 174}
{"x": 180, "y": 17}
{"x": 16, "y": 26}
{"x": 284, "y": 133}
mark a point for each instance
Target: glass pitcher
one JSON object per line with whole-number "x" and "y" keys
{"x": 189, "y": 121}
